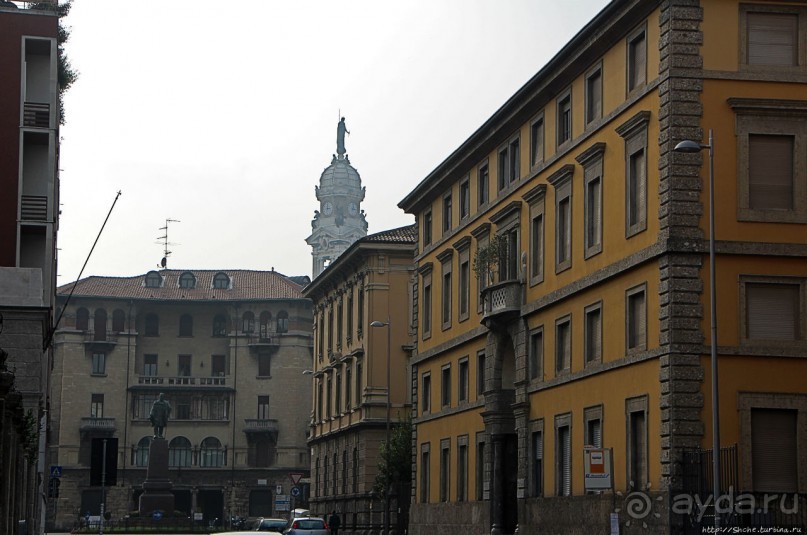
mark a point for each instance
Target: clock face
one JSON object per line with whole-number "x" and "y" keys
{"x": 353, "y": 209}
{"x": 327, "y": 208}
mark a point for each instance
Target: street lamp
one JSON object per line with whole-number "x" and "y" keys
{"x": 689, "y": 146}
{"x": 386, "y": 490}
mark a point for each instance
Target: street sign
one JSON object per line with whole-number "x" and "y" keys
{"x": 282, "y": 502}
{"x": 55, "y": 471}
{"x": 295, "y": 491}
{"x": 295, "y": 477}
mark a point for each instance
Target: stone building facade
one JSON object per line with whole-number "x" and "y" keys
{"x": 227, "y": 348}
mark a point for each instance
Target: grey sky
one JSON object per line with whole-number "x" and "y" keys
{"x": 223, "y": 115}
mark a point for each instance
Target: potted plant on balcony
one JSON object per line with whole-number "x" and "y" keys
{"x": 487, "y": 259}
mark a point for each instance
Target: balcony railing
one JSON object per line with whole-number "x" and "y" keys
{"x": 91, "y": 337}
{"x": 34, "y": 208}
{"x": 106, "y": 425}
{"x": 502, "y": 299}
{"x": 266, "y": 339}
{"x": 255, "y": 425}
{"x": 182, "y": 380}
{"x": 36, "y": 114}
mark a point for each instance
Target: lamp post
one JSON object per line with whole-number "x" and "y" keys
{"x": 386, "y": 490}
{"x": 689, "y": 146}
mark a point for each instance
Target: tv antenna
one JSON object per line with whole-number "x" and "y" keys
{"x": 165, "y": 243}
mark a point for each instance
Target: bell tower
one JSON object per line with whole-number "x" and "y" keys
{"x": 340, "y": 220}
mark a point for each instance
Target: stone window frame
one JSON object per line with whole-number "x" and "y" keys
{"x": 446, "y": 259}
{"x": 536, "y": 199}
{"x": 445, "y": 470}
{"x": 537, "y": 132}
{"x": 560, "y": 363}
{"x": 479, "y": 466}
{"x": 637, "y": 33}
{"x": 588, "y": 359}
{"x": 563, "y": 420}
{"x": 593, "y": 413}
{"x": 463, "y": 380}
{"x": 483, "y": 183}
{"x": 594, "y": 71}
{"x": 482, "y": 236}
{"x": 463, "y": 248}
{"x": 427, "y": 304}
{"x": 633, "y": 405}
{"x": 425, "y": 472}
{"x": 462, "y": 469}
{"x": 481, "y": 372}
{"x": 428, "y": 228}
{"x": 447, "y": 213}
{"x": 771, "y": 117}
{"x": 564, "y": 97}
{"x": 634, "y": 132}
{"x": 536, "y": 426}
{"x": 801, "y": 38}
{"x": 592, "y": 161}
{"x": 426, "y": 392}
{"x": 535, "y": 367}
{"x": 445, "y": 386}
{"x": 746, "y": 402}
{"x": 745, "y": 341}
{"x": 98, "y": 365}
{"x": 561, "y": 181}
{"x": 508, "y": 225}
{"x": 96, "y": 405}
{"x": 465, "y": 200}
{"x": 629, "y": 294}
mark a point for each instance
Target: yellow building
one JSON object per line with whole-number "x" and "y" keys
{"x": 563, "y": 289}
{"x": 363, "y": 333}
{"x": 227, "y": 348}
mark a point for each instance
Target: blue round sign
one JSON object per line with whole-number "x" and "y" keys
{"x": 157, "y": 515}
{"x": 295, "y": 491}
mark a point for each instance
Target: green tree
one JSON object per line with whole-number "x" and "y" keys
{"x": 395, "y": 465}
{"x": 66, "y": 74}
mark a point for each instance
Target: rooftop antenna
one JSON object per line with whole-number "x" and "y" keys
{"x": 165, "y": 243}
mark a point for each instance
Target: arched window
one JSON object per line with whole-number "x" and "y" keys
{"x": 152, "y": 327}
{"x": 266, "y": 321}
{"x": 142, "y": 452}
{"x": 187, "y": 280}
{"x": 82, "y": 319}
{"x": 282, "y": 321}
{"x": 220, "y": 325}
{"x": 118, "y": 321}
{"x": 221, "y": 281}
{"x": 211, "y": 453}
{"x": 248, "y": 322}
{"x": 179, "y": 452}
{"x": 99, "y": 324}
{"x": 186, "y": 325}
{"x": 153, "y": 280}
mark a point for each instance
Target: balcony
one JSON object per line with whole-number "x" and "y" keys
{"x": 36, "y": 114}
{"x": 255, "y": 426}
{"x": 266, "y": 340}
{"x": 98, "y": 426}
{"x": 181, "y": 381}
{"x": 97, "y": 339}
{"x": 501, "y": 301}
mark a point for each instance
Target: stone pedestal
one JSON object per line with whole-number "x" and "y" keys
{"x": 157, "y": 493}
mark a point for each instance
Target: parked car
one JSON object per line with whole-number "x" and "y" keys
{"x": 271, "y": 524}
{"x": 308, "y": 526}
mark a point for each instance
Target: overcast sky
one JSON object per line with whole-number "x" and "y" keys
{"x": 223, "y": 115}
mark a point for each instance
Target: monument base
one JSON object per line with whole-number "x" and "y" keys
{"x": 157, "y": 495}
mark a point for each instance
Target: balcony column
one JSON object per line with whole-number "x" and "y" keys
{"x": 497, "y": 475}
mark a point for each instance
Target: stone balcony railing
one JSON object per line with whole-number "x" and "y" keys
{"x": 256, "y": 425}
{"x": 181, "y": 380}
{"x": 93, "y": 338}
{"x": 501, "y": 300}
{"x": 100, "y": 425}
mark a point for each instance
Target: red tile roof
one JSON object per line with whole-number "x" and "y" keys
{"x": 405, "y": 234}
{"x": 244, "y": 284}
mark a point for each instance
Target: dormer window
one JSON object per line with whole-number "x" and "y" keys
{"x": 187, "y": 280}
{"x": 153, "y": 280}
{"x": 221, "y": 281}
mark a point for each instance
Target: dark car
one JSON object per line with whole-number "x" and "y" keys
{"x": 308, "y": 526}
{"x": 272, "y": 524}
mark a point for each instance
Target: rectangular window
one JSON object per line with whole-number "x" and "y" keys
{"x": 773, "y": 311}
{"x": 359, "y": 383}
{"x": 563, "y": 455}
{"x": 537, "y": 141}
{"x": 637, "y": 59}
{"x": 445, "y": 305}
{"x": 263, "y": 407}
{"x": 563, "y": 345}
{"x": 593, "y": 422}
{"x": 218, "y": 365}
{"x": 330, "y": 331}
{"x": 98, "y": 363}
{"x": 348, "y": 387}
{"x": 328, "y": 397}
{"x": 482, "y": 184}
{"x": 770, "y": 39}
{"x": 427, "y": 228}
{"x": 264, "y": 365}
{"x": 338, "y": 388}
{"x": 184, "y": 365}
{"x": 774, "y": 450}
{"x": 340, "y": 306}
{"x": 509, "y": 261}
{"x": 426, "y": 306}
{"x": 97, "y": 406}
{"x": 637, "y": 441}
{"x": 349, "y": 312}
{"x": 445, "y": 386}
{"x": 183, "y": 407}
{"x": 770, "y": 172}
{"x": 504, "y": 169}
{"x": 636, "y": 319}
{"x": 591, "y": 160}
{"x": 445, "y": 461}
{"x": 537, "y": 248}
{"x": 426, "y": 393}
{"x": 537, "y": 463}
{"x": 462, "y": 468}
{"x": 480, "y": 374}
{"x": 150, "y": 365}
{"x": 514, "y": 155}
{"x": 480, "y": 466}
{"x": 425, "y": 476}
{"x": 482, "y": 278}
{"x": 562, "y": 182}
{"x": 462, "y": 380}
{"x": 536, "y": 363}
{"x": 593, "y": 333}
{"x": 464, "y": 285}
{"x": 564, "y": 116}
{"x": 637, "y": 192}
{"x": 447, "y": 214}
{"x": 594, "y": 95}
{"x": 360, "y": 313}
{"x": 465, "y": 199}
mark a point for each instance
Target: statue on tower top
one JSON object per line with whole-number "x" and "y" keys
{"x": 341, "y": 130}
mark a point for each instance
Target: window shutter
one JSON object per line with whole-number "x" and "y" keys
{"x": 770, "y": 172}
{"x": 772, "y": 38}
{"x": 773, "y": 311}
{"x": 773, "y": 450}
{"x": 566, "y": 460}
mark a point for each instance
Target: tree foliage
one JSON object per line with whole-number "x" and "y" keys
{"x": 66, "y": 74}
{"x": 395, "y": 465}
{"x": 487, "y": 259}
